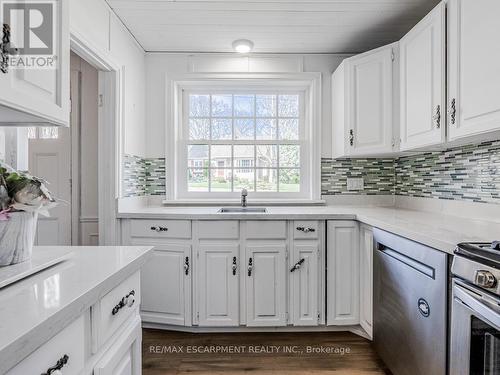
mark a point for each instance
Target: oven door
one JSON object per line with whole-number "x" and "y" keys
{"x": 475, "y": 337}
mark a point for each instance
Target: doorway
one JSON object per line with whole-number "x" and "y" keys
{"x": 68, "y": 159}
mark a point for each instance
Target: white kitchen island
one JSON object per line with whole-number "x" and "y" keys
{"x": 72, "y": 312}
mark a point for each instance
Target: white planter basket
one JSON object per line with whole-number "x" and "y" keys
{"x": 17, "y": 236}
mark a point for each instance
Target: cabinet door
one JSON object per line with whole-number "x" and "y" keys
{"x": 218, "y": 285}
{"x": 42, "y": 92}
{"x": 370, "y": 102}
{"x": 166, "y": 285}
{"x": 473, "y": 67}
{"x": 266, "y": 285}
{"x": 343, "y": 273}
{"x": 366, "y": 279}
{"x": 304, "y": 272}
{"x": 124, "y": 357}
{"x": 422, "y": 79}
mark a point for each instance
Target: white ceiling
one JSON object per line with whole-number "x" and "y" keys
{"x": 275, "y": 26}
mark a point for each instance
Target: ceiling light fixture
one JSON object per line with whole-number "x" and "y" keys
{"x": 242, "y": 45}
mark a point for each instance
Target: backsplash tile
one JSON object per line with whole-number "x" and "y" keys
{"x": 378, "y": 176}
{"x": 470, "y": 173}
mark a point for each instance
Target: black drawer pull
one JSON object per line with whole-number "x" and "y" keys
{"x": 59, "y": 365}
{"x": 306, "y": 230}
{"x": 159, "y": 229}
{"x": 186, "y": 266}
{"x": 128, "y": 300}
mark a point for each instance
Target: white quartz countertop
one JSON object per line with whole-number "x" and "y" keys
{"x": 437, "y": 230}
{"x": 36, "y": 308}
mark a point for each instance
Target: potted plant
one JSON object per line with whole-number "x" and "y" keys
{"x": 22, "y": 198}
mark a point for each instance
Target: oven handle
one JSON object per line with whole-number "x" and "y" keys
{"x": 486, "y": 310}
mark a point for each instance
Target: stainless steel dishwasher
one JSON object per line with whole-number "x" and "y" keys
{"x": 410, "y": 308}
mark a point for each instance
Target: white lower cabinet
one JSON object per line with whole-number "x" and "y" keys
{"x": 124, "y": 357}
{"x": 266, "y": 285}
{"x": 366, "y": 278}
{"x": 343, "y": 272}
{"x": 218, "y": 285}
{"x": 166, "y": 280}
{"x": 304, "y": 284}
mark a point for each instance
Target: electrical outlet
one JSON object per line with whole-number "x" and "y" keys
{"x": 355, "y": 184}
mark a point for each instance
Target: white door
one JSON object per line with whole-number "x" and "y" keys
{"x": 343, "y": 273}
{"x": 218, "y": 285}
{"x": 42, "y": 91}
{"x": 266, "y": 285}
{"x": 166, "y": 284}
{"x": 366, "y": 278}
{"x": 124, "y": 357}
{"x": 473, "y": 67}
{"x": 370, "y": 102}
{"x": 422, "y": 79}
{"x": 304, "y": 292}
{"x": 50, "y": 159}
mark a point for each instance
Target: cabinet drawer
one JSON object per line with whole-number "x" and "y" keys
{"x": 69, "y": 342}
{"x": 266, "y": 230}
{"x": 114, "y": 309}
{"x": 161, "y": 228}
{"x": 218, "y": 230}
{"x": 305, "y": 229}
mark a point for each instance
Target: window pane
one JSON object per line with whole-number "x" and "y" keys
{"x": 198, "y": 156}
{"x": 199, "y": 128}
{"x": 288, "y": 106}
{"x": 222, "y": 105}
{"x": 267, "y": 180}
{"x": 266, "y": 129}
{"x": 221, "y": 156}
{"x": 244, "y": 129}
{"x": 220, "y": 180}
{"x": 197, "y": 179}
{"x": 222, "y": 128}
{"x": 48, "y": 133}
{"x": 244, "y": 105}
{"x": 289, "y": 129}
{"x": 244, "y": 179}
{"x": 32, "y": 133}
{"x": 267, "y": 156}
{"x": 289, "y": 156}
{"x": 289, "y": 180}
{"x": 244, "y": 156}
{"x": 265, "y": 105}
{"x": 199, "y": 105}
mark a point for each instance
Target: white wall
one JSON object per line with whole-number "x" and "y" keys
{"x": 93, "y": 22}
{"x": 159, "y": 66}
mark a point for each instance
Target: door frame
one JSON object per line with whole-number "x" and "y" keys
{"x": 110, "y": 136}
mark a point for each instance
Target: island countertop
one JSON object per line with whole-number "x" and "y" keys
{"x": 34, "y": 309}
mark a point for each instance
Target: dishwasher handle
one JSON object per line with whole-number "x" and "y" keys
{"x": 410, "y": 262}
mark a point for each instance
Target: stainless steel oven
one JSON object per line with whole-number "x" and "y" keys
{"x": 475, "y": 317}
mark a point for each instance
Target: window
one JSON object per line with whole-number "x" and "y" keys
{"x": 49, "y": 132}
{"x": 243, "y": 140}
{"x": 233, "y": 133}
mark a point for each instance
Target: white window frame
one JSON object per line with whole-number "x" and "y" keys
{"x": 307, "y": 84}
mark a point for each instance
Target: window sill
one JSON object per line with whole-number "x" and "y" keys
{"x": 252, "y": 202}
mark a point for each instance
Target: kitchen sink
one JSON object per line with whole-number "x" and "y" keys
{"x": 242, "y": 210}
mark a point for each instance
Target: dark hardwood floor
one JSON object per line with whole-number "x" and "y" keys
{"x": 341, "y": 353}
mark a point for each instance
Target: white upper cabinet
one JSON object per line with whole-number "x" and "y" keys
{"x": 422, "y": 80}
{"x": 473, "y": 68}
{"x": 364, "y": 104}
{"x": 38, "y": 94}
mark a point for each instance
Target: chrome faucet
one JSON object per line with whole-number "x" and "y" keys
{"x": 244, "y": 194}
